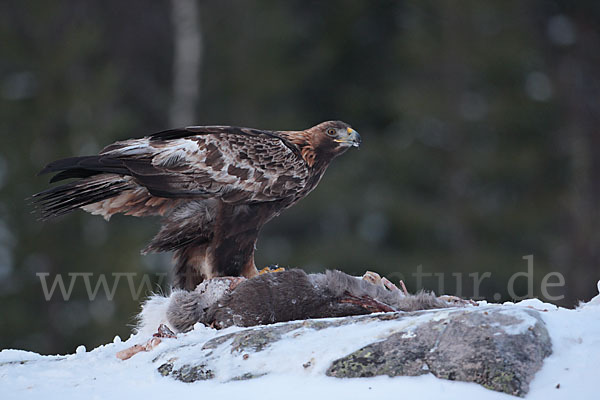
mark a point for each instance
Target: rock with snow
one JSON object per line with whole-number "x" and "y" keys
{"x": 293, "y": 358}
{"x": 500, "y": 348}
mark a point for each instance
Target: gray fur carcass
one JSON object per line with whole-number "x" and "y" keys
{"x": 288, "y": 296}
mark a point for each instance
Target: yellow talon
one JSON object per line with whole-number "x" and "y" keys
{"x": 268, "y": 270}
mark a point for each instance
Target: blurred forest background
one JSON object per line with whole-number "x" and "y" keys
{"x": 480, "y": 123}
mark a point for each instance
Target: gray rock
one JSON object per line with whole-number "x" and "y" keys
{"x": 186, "y": 373}
{"x": 499, "y": 347}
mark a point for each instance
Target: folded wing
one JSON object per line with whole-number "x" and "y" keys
{"x": 235, "y": 165}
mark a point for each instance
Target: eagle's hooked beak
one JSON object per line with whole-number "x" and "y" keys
{"x": 354, "y": 137}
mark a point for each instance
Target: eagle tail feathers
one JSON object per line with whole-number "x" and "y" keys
{"x": 84, "y": 167}
{"x": 65, "y": 198}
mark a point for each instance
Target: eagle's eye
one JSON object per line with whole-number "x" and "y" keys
{"x": 331, "y": 131}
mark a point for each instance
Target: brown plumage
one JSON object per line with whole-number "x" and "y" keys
{"x": 215, "y": 186}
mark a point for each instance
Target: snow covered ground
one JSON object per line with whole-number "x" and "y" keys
{"x": 572, "y": 371}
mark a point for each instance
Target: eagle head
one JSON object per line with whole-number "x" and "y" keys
{"x": 338, "y": 132}
{"x": 321, "y": 143}
{"x": 329, "y": 139}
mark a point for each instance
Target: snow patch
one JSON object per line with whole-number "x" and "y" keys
{"x": 296, "y": 364}
{"x": 595, "y": 302}
{"x": 527, "y": 321}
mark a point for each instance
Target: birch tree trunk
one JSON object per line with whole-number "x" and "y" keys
{"x": 187, "y": 60}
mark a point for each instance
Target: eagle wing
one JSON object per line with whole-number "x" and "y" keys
{"x": 237, "y": 165}
{"x": 155, "y": 174}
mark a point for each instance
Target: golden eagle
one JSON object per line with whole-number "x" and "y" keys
{"x": 215, "y": 186}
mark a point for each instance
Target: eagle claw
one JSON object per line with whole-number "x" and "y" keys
{"x": 271, "y": 269}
